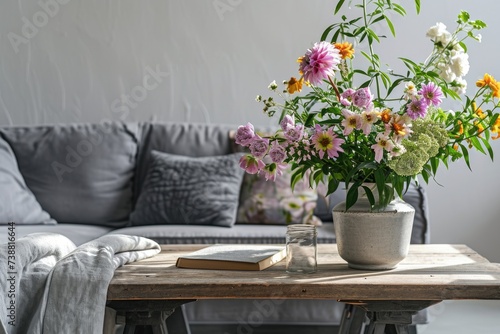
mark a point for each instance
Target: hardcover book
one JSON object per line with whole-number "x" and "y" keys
{"x": 233, "y": 257}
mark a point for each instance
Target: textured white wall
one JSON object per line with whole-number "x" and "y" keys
{"x": 205, "y": 61}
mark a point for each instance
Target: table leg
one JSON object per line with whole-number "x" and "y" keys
{"x": 153, "y": 313}
{"x": 398, "y": 314}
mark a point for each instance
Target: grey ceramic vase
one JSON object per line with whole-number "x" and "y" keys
{"x": 376, "y": 240}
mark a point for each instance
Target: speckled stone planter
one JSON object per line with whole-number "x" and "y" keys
{"x": 373, "y": 240}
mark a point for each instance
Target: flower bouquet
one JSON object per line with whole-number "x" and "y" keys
{"x": 340, "y": 122}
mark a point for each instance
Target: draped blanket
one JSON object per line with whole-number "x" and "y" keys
{"x": 52, "y": 286}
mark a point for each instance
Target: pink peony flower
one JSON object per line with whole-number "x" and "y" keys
{"x": 251, "y": 165}
{"x": 362, "y": 97}
{"x": 277, "y": 152}
{"x": 346, "y": 97}
{"x": 287, "y": 122}
{"x": 319, "y": 62}
{"x": 259, "y": 147}
{"x": 294, "y": 133}
{"x": 245, "y": 134}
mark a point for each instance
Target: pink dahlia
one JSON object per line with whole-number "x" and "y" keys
{"x": 432, "y": 94}
{"x": 417, "y": 108}
{"x": 319, "y": 62}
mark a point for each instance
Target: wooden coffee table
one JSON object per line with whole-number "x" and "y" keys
{"x": 153, "y": 288}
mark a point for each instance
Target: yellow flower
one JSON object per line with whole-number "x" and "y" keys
{"x": 485, "y": 81}
{"x": 495, "y": 128}
{"x": 346, "y": 50}
{"x": 295, "y": 85}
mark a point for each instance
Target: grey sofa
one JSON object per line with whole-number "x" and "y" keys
{"x": 87, "y": 180}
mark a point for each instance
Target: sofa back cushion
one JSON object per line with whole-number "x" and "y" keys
{"x": 80, "y": 173}
{"x": 17, "y": 202}
{"x": 188, "y": 139}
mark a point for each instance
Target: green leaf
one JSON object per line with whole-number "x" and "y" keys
{"x": 333, "y": 184}
{"x": 339, "y": 6}
{"x": 463, "y": 17}
{"x": 399, "y": 9}
{"x": 352, "y": 196}
{"x": 326, "y": 32}
{"x": 391, "y": 26}
{"x": 373, "y": 35}
{"x": 465, "y": 153}
{"x": 417, "y": 6}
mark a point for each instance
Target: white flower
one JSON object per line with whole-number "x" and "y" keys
{"x": 460, "y": 86}
{"x": 273, "y": 85}
{"x": 445, "y": 38}
{"x": 436, "y": 31}
{"x": 446, "y": 72}
{"x": 410, "y": 90}
{"x": 460, "y": 64}
{"x": 478, "y": 38}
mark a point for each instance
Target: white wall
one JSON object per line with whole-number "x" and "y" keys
{"x": 90, "y": 60}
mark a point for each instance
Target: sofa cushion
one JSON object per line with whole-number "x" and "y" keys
{"x": 209, "y": 234}
{"x": 186, "y": 190}
{"x": 17, "y": 202}
{"x": 189, "y": 139}
{"x": 274, "y": 202}
{"x": 80, "y": 173}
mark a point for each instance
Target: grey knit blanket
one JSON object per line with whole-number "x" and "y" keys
{"x": 52, "y": 286}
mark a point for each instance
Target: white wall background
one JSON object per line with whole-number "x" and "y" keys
{"x": 91, "y": 60}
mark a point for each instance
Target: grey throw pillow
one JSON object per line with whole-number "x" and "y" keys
{"x": 79, "y": 173}
{"x": 17, "y": 202}
{"x": 187, "y": 190}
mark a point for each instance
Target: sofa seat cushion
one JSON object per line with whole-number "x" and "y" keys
{"x": 206, "y": 234}
{"x": 80, "y": 173}
{"x": 17, "y": 202}
{"x": 78, "y": 233}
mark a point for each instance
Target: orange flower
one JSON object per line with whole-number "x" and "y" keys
{"x": 385, "y": 116}
{"x": 346, "y": 50}
{"x": 485, "y": 81}
{"x": 495, "y": 128}
{"x": 489, "y": 81}
{"x": 295, "y": 85}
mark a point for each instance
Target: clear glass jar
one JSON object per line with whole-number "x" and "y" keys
{"x": 301, "y": 249}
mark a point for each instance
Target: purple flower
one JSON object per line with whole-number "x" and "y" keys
{"x": 294, "y": 133}
{"x": 286, "y": 122}
{"x": 431, "y": 93}
{"x": 259, "y": 146}
{"x": 245, "y": 134}
{"x": 417, "y": 108}
{"x": 277, "y": 152}
{"x": 319, "y": 62}
{"x": 362, "y": 97}
{"x": 251, "y": 165}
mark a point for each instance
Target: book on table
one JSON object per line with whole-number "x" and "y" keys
{"x": 233, "y": 257}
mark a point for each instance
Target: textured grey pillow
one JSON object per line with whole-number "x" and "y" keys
{"x": 187, "y": 190}
{"x": 17, "y": 202}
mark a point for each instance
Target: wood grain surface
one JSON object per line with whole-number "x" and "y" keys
{"x": 430, "y": 272}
